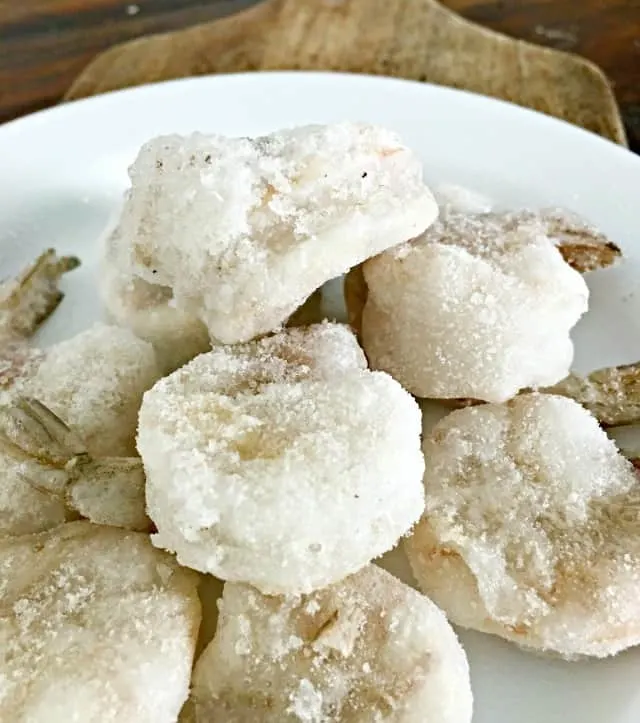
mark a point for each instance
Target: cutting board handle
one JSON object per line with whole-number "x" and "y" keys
{"x": 415, "y": 39}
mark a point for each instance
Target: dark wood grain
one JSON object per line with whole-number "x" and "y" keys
{"x": 44, "y": 44}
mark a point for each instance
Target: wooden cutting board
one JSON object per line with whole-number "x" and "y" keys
{"x": 417, "y": 39}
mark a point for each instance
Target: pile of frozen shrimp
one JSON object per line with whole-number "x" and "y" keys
{"x": 194, "y": 496}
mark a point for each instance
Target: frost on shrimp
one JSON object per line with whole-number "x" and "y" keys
{"x": 96, "y": 625}
{"x": 611, "y": 394}
{"x": 494, "y": 283}
{"x": 479, "y": 306}
{"x": 51, "y": 461}
{"x": 148, "y": 310}
{"x": 531, "y": 527}
{"x": 25, "y": 303}
{"x": 244, "y": 230}
{"x": 582, "y": 245}
{"x": 93, "y": 381}
{"x": 237, "y": 442}
{"x": 367, "y": 648}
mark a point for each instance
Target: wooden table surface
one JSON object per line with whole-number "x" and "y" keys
{"x": 44, "y": 44}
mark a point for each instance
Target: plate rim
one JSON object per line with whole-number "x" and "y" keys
{"x": 64, "y": 108}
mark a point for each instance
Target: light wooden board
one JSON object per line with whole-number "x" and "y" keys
{"x": 417, "y": 39}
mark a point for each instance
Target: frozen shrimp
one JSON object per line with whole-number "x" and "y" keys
{"x": 97, "y": 625}
{"x": 530, "y": 530}
{"x": 283, "y": 463}
{"x": 148, "y": 310}
{"x": 480, "y": 307}
{"x": 243, "y": 231}
{"x": 368, "y": 648}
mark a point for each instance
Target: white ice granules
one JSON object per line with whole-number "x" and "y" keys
{"x": 244, "y": 230}
{"x": 148, "y": 309}
{"x": 531, "y": 527}
{"x": 369, "y": 650}
{"x": 283, "y": 463}
{"x": 96, "y": 625}
{"x": 473, "y": 308}
{"x": 94, "y": 382}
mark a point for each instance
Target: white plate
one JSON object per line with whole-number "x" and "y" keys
{"x": 63, "y": 171}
